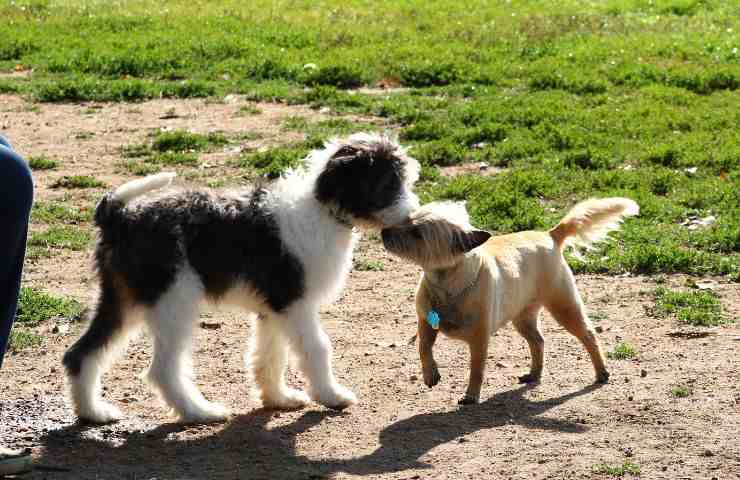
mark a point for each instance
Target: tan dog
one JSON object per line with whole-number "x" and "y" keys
{"x": 473, "y": 284}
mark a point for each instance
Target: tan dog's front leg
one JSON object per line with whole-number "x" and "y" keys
{"x": 478, "y": 344}
{"x": 427, "y": 337}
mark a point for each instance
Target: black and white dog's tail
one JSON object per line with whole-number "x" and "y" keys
{"x": 114, "y": 201}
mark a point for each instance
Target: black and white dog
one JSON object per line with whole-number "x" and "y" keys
{"x": 280, "y": 251}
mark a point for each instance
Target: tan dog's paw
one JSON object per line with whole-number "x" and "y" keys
{"x": 602, "y": 377}
{"x": 468, "y": 400}
{"x": 432, "y": 378}
{"x": 529, "y": 378}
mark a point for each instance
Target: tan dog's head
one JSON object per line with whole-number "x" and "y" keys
{"x": 437, "y": 235}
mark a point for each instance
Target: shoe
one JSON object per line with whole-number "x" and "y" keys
{"x": 13, "y": 462}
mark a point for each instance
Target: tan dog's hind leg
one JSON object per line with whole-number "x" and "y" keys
{"x": 567, "y": 309}
{"x": 427, "y": 337}
{"x": 527, "y": 326}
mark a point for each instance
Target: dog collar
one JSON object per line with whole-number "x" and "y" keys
{"x": 438, "y": 310}
{"x": 433, "y": 319}
{"x": 342, "y": 218}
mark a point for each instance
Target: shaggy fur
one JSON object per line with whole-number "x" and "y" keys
{"x": 279, "y": 251}
{"x": 478, "y": 283}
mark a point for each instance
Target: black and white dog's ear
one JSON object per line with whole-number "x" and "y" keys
{"x": 467, "y": 241}
{"x": 345, "y": 152}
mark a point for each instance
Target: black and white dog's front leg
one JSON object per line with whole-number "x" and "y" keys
{"x": 268, "y": 358}
{"x": 313, "y": 350}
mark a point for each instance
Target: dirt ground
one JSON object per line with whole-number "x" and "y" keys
{"x": 562, "y": 428}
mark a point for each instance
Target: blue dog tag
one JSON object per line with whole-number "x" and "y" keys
{"x": 433, "y": 319}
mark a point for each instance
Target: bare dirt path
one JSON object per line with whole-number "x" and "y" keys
{"x": 562, "y": 428}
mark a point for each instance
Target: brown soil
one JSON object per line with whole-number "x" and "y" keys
{"x": 561, "y": 428}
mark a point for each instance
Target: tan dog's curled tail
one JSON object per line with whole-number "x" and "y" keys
{"x": 591, "y": 220}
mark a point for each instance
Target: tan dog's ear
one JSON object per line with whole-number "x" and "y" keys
{"x": 470, "y": 240}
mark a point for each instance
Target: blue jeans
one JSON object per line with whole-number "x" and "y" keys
{"x": 16, "y": 197}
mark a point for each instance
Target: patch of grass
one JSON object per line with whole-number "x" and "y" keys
{"x": 172, "y": 148}
{"x": 36, "y": 307}
{"x": 78, "y": 181}
{"x": 248, "y": 136}
{"x": 325, "y": 129}
{"x": 623, "y": 351}
{"x": 216, "y": 183}
{"x": 174, "y": 158}
{"x": 369, "y": 265}
{"x": 9, "y": 87}
{"x": 618, "y": 470}
{"x": 78, "y": 88}
{"x": 698, "y": 308}
{"x": 681, "y": 391}
{"x": 135, "y": 151}
{"x": 184, "y": 141}
{"x": 246, "y": 110}
{"x": 598, "y": 316}
{"x": 21, "y": 339}
{"x": 141, "y": 168}
{"x": 57, "y": 212}
{"x": 84, "y": 135}
{"x": 338, "y": 75}
{"x": 42, "y": 162}
{"x": 59, "y": 236}
{"x": 274, "y": 162}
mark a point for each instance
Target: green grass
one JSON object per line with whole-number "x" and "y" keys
{"x": 273, "y": 162}
{"x": 57, "y": 237}
{"x": 140, "y": 168}
{"x": 184, "y": 141}
{"x": 623, "y": 351}
{"x": 169, "y": 149}
{"x": 618, "y": 470}
{"x": 369, "y": 265}
{"x": 571, "y": 98}
{"x": 78, "y": 181}
{"x": 218, "y": 183}
{"x": 84, "y": 135}
{"x": 42, "y": 162}
{"x": 36, "y": 307}
{"x": 21, "y": 339}
{"x": 697, "y": 308}
{"x": 58, "y": 212}
{"x": 681, "y": 391}
{"x": 247, "y": 110}
{"x": 325, "y": 129}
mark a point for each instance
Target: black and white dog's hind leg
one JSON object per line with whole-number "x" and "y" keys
{"x": 113, "y": 323}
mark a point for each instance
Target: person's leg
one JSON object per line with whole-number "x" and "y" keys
{"x": 16, "y": 196}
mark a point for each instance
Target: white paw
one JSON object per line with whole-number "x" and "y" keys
{"x": 336, "y": 397}
{"x": 207, "y": 413}
{"x": 286, "y": 399}
{"x": 100, "y": 412}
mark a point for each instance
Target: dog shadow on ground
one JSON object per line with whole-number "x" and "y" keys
{"x": 248, "y": 448}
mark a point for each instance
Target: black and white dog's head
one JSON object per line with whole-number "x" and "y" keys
{"x": 366, "y": 179}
